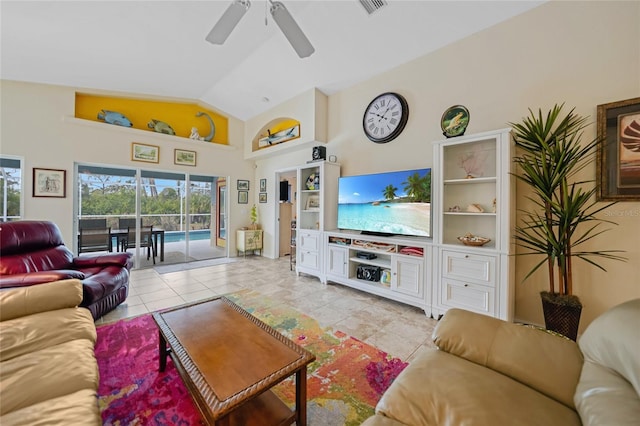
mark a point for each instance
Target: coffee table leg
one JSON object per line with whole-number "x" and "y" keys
{"x": 301, "y": 397}
{"x": 163, "y": 352}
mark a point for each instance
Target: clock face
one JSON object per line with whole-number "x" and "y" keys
{"x": 385, "y": 117}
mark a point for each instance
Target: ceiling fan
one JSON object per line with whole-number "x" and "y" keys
{"x": 280, "y": 14}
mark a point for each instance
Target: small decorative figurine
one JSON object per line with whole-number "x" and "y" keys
{"x": 212, "y": 131}
{"x": 161, "y": 127}
{"x": 195, "y": 135}
{"x": 113, "y": 117}
{"x": 311, "y": 181}
{"x": 475, "y": 208}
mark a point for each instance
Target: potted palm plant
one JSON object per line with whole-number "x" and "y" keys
{"x": 564, "y": 211}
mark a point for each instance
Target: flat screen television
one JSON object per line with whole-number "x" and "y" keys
{"x": 391, "y": 203}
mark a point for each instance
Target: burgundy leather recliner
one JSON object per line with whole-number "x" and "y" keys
{"x": 33, "y": 252}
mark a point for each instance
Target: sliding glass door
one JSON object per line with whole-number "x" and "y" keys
{"x": 180, "y": 208}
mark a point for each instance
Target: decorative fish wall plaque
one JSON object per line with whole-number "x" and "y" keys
{"x": 113, "y": 117}
{"x": 161, "y": 127}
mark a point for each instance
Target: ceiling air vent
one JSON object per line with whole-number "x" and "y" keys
{"x": 372, "y": 5}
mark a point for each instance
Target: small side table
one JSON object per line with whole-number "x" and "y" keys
{"x": 248, "y": 240}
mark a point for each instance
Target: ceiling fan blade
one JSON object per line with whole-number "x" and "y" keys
{"x": 228, "y": 21}
{"x": 291, "y": 30}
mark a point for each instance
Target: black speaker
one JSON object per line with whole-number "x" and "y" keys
{"x": 284, "y": 190}
{"x": 368, "y": 272}
{"x": 319, "y": 153}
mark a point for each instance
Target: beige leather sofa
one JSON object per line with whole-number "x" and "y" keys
{"x": 48, "y": 369}
{"x": 490, "y": 372}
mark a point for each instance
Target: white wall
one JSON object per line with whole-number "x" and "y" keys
{"x": 33, "y": 126}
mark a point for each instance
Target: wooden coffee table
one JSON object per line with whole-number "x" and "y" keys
{"x": 229, "y": 360}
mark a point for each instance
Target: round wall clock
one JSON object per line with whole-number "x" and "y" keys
{"x": 454, "y": 121}
{"x": 385, "y": 117}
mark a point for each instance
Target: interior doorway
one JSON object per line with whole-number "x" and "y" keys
{"x": 286, "y": 211}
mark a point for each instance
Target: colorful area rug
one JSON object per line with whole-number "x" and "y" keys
{"x": 343, "y": 384}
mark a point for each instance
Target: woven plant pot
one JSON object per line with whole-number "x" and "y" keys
{"x": 561, "y": 313}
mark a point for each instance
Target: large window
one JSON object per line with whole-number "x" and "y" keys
{"x": 10, "y": 189}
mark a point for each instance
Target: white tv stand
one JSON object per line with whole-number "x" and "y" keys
{"x": 408, "y": 279}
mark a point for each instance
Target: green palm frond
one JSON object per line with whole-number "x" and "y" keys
{"x": 564, "y": 212}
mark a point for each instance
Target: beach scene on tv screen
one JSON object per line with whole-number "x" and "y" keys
{"x": 392, "y": 203}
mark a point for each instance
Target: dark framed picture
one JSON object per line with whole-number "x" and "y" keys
{"x": 262, "y": 197}
{"x": 618, "y": 162}
{"x": 50, "y": 183}
{"x": 184, "y": 158}
{"x": 263, "y": 185}
{"x": 243, "y": 197}
{"x": 243, "y": 185}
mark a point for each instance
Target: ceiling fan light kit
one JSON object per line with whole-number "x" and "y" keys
{"x": 280, "y": 14}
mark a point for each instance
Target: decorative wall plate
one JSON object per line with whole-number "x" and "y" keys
{"x": 454, "y": 121}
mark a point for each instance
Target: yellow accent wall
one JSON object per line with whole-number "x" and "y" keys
{"x": 180, "y": 116}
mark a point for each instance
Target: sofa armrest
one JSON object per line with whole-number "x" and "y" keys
{"x": 41, "y": 277}
{"x": 117, "y": 259}
{"x": 23, "y": 301}
{"x": 546, "y": 362}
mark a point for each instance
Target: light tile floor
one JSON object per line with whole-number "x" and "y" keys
{"x": 395, "y": 328}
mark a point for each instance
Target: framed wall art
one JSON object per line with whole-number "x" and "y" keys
{"x": 262, "y": 197}
{"x": 263, "y": 185}
{"x": 183, "y": 157}
{"x": 243, "y": 197}
{"x": 279, "y": 137}
{"x": 243, "y": 185}
{"x": 49, "y": 183}
{"x": 145, "y": 153}
{"x": 618, "y": 157}
{"x": 313, "y": 202}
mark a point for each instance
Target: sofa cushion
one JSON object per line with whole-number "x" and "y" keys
{"x": 44, "y": 259}
{"x": 609, "y": 388}
{"x": 603, "y": 397}
{"x": 543, "y": 361}
{"x": 23, "y": 335}
{"x": 28, "y": 236}
{"x": 616, "y": 329}
{"x": 51, "y": 296}
{"x": 78, "y": 408}
{"x": 117, "y": 259}
{"x": 38, "y": 277}
{"x": 48, "y": 373}
{"x": 438, "y": 388}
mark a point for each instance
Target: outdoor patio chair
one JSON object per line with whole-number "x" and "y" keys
{"x": 92, "y": 223}
{"x": 94, "y": 239}
{"x": 146, "y": 240}
{"x": 124, "y": 223}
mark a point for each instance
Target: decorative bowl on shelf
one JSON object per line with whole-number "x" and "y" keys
{"x": 473, "y": 240}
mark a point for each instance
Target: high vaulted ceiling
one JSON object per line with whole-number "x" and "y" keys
{"x": 158, "y": 47}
